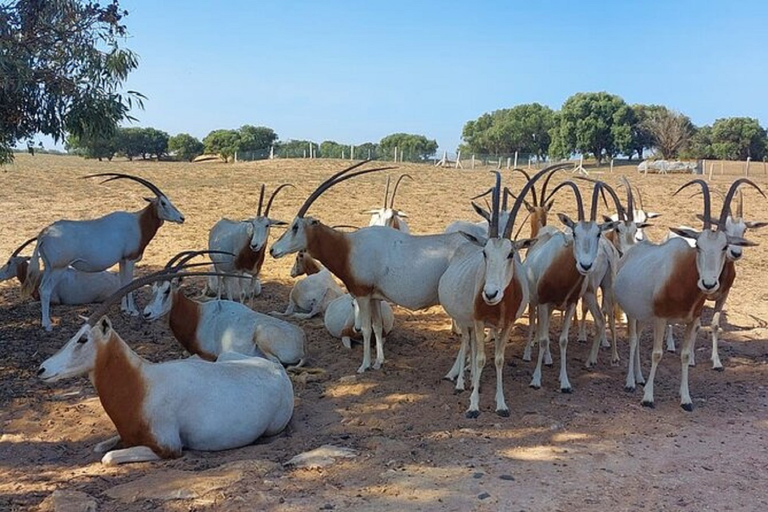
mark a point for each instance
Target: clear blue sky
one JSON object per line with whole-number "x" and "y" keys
{"x": 357, "y": 71}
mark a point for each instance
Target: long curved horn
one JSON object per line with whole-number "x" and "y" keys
{"x": 162, "y": 275}
{"x": 261, "y": 200}
{"x": 335, "y": 179}
{"x": 394, "y": 191}
{"x": 386, "y": 193}
{"x": 546, "y": 182}
{"x": 576, "y": 193}
{"x": 272, "y": 197}
{"x": 639, "y": 197}
{"x": 183, "y": 257}
{"x": 519, "y": 201}
{"x": 630, "y": 213}
{"x": 729, "y": 197}
{"x": 493, "y": 227}
{"x": 22, "y": 246}
{"x": 707, "y": 199}
{"x": 616, "y": 200}
{"x": 117, "y": 176}
{"x": 533, "y": 190}
{"x": 507, "y": 194}
{"x": 740, "y": 206}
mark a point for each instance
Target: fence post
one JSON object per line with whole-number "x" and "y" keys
{"x": 722, "y": 169}
{"x": 515, "y": 159}
{"x": 272, "y": 152}
{"x": 472, "y": 164}
{"x": 509, "y": 161}
{"x": 395, "y": 153}
{"x": 343, "y": 154}
{"x": 746, "y": 168}
{"x": 611, "y": 165}
{"x": 351, "y": 152}
{"x": 458, "y": 160}
{"x": 765, "y": 169}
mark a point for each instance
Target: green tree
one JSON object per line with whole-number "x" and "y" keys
{"x": 369, "y": 150}
{"x": 61, "y": 69}
{"x": 595, "y": 122}
{"x": 156, "y": 142}
{"x": 91, "y": 147}
{"x": 185, "y": 146}
{"x": 222, "y": 142}
{"x": 669, "y": 131}
{"x": 131, "y": 142}
{"x": 331, "y": 149}
{"x": 737, "y": 138}
{"x": 293, "y": 148}
{"x": 642, "y": 139}
{"x": 413, "y": 148}
{"x": 523, "y": 128}
{"x": 255, "y": 138}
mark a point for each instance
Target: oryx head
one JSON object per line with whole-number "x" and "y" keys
{"x": 16, "y": 265}
{"x": 258, "y": 227}
{"x": 78, "y": 356}
{"x": 737, "y": 226}
{"x": 388, "y": 215}
{"x": 163, "y": 206}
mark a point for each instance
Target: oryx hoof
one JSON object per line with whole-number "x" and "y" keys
{"x": 719, "y": 369}
{"x": 504, "y": 413}
{"x": 472, "y": 414}
{"x": 648, "y": 403}
{"x": 458, "y": 391}
{"x": 687, "y": 407}
{"x": 567, "y": 390}
{"x": 629, "y": 389}
{"x": 377, "y": 365}
{"x": 362, "y": 368}
{"x": 534, "y": 386}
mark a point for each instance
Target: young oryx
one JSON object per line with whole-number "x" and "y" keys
{"x": 95, "y": 245}
{"x": 388, "y": 216}
{"x": 247, "y": 240}
{"x": 564, "y": 269}
{"x": 159, "y": 409}
{"x": 734, "y": 226}
{"x": 486, "y": 286}
{"x": 343, "y": 320}
{"x": 210, "y": 328}
{"x": 669, "y": 283}
{"x": 314, "y": 293}
{"x": 375, "y": 263}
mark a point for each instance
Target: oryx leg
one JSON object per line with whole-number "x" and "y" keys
{"x": 670, "y": 339}
{"x": 316, "y": 308}
{"x": 457, "y": 370}
{"x": 715, "y": 328}
{"x": 544, "y": 312}
{"x": 532, "y": 314}
{"x": 688, "y": 340}
{"x": 364, "y": 311}
{"x": 633, "y": 366}
{"x": 378, "y": 331}
{"x": 128, "y": 304}
{"x": 597, "y": 315}
{"x": 659, "y": 326}
{"x": 47, "y": 284}
{"x": 477, "y": 346}
{"x": 582, "y": 334}
{"x": 502, "y": 335}
{"x": 105, "y": 446}
{"x": 565, "y": 385}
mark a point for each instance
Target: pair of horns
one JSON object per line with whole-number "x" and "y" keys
{"x": 271, "y": 198}
{"x": 599, "y": 188}
{"x": 118, "y": 176}
{"x": 22, "y": 246}
{"x": 394, "y": 192}
{"x": 726, "y": 202}
{"x": 543, "y": 191}
{"x": 336, "y": 179}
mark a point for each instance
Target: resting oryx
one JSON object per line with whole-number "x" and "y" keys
{"x": 95, "y": 245}
{"x": 387, "y": 215}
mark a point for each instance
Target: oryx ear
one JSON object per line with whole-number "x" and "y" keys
{"x": 401, "y": 214}
{"x": 755, "y": 224}
{"x": 313, "y": 222}
{"x": 273, "y": 222}
{"x": 474, "y": 239}
{"x": 524, "y": 243}
{"x": 652, "y": 215}
{"x": 607, "y": 219}
{"x": 643, "y": 225}
{"x": 484, "y": 214}
{"x": 550, "y": 204}
{"x": 105, "y": 325}
{"x": 371, "y": 212}
{"x": 148, "y": 199}
{"x": 83, "y": 318}
{"x": 741, "y": 242}
{"x": 701, "y": 217}
{"x": 685, "y": 233}
{"x": 609, "y": 226}
{"x": 566, "y": 220}
{"x": 528, "y": 206}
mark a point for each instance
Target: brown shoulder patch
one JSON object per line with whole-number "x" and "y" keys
{"x": 183, "y": 320}
{"x": 504, "y": 312}
{"x": 332, "y": 248}
{"x": 149, "y": 223}
{"x": 561, "y": 281}
{"x": 250, "y": 261}
{"x": 680, "y": 297}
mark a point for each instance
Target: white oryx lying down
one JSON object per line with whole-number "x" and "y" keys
{"x": 160, "y": 408}
{"x": 210, "y": 328}
{"x": 342, "y": 319}
{"x": 311, "y": 295}
{"x": 97, "y": 244}
{"x": 69, "y": 286}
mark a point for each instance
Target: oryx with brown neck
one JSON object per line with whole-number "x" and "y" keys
{"x": 95, "y": 245}
{"x": 485, "y": 286}
{"x": 669, "y": 283}
{"x": 247, "y": 240}
{"x": 563, "y": 269}
{"x": 375, "y": 263}
{"x": 159, "y": 409}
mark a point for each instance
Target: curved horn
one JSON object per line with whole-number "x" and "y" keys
{"x": 335, "y": 179}
{"x": 386, "y": 193}
{"x": 394, "y": 191}
{"x": 630, "y": 213}
{"x": 707, "y": 199}
{"x": 576, "y": 193}
{"x": 117, "y": 176}
{"x": 616, "y": 200}
{"x": 493, "y": 228}
{"x": 729, "y": 197}
{"x": 639, "y": 197}
{"x": 740, "y": 206}
{"x": 522, "y": 194}
{"x": 261, "y": 200}
{"x": 544, "y": 197}
{"x": 162, "y": 275}
{"x": 22, "y": 246}
{"x": 533, "y": 190}
{"x": 183, "y": 257}
{"x": 272, "y": 197}
{"x": 478, "y": 196}
{"x": 507, "y": 193}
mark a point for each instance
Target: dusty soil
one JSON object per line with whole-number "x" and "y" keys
{"x": 595, "y": 449}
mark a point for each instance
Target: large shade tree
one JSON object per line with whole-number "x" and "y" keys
{"x": 523, "y": 129}
{"x": 738, "y": 138}
{"x": 62, "y": 67}
{"x": 410, "y": 147}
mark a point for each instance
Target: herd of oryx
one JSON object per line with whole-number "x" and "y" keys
{"x": 235, "y": 387}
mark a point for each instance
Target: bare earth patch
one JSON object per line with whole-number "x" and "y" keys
{"x": 595, "y": 449}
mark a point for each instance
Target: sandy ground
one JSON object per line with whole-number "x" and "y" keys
{"x": 595, "y": 449}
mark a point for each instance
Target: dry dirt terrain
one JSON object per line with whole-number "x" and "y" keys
{"x": 594, "y": 449}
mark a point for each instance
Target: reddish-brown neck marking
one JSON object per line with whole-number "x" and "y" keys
{"x": 680, "y": 297}
{"x": 149, "y": 223}
{"x": 727, "y": 277}
{"x": 504, "y": 312}
{"x": 21, "y": 274}
{"x": 310, "y": 264}
{"x": 561, "y": 282}
{"x": 249, "y": 260}
{"x": 183, "y": 319}
{"x": 538, "y": 220}
{"x": 332, "y": 248}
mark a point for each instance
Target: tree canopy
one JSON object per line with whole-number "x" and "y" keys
{"x": 62, "y": 67}
{"x": 669, "y": 131}
{"x": 185, "y": 146}
{"x": 524, "y": 129}
{"x": 413, "y": 148}
{"x": 738, "y": 138}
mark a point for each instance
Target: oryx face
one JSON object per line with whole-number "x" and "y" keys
{"x": 167, "y": 211}
{"x": 12, "y": 267}
{"x": 161, "y": 301}
{"x": 299, "y": 267}
{"x": 586, "y": 241}
{"x": 75, "y": 358}
{"x": 711, "y": 247}
{"x": 294, "y": 239}
{"x": 499, "y": 256}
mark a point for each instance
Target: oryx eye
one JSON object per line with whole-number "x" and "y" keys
{"x": 82, "y": 339}
{"x": 511, "y": 255}
{"x": 295, "y": 228}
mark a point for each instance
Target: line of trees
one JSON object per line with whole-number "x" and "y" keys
{"x": 603, "y": 125}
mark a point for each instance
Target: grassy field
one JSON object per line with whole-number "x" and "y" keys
{"x": 596, "y": 449}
